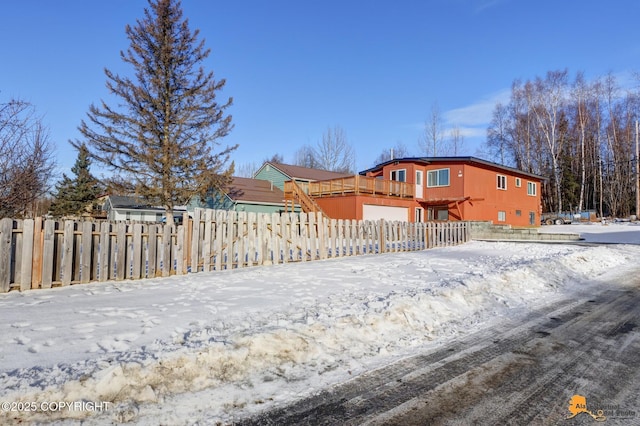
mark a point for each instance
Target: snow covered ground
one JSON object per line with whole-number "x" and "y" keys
{"x": 218, "y": 346}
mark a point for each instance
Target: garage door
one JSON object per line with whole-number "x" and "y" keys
{"x": 372, "y": 212}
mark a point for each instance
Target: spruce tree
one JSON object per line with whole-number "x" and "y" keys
{"x": 75, "y": 195}
{"x": 159, "y": 139}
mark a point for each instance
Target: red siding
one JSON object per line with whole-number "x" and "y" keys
{"x": 479, "y": 182}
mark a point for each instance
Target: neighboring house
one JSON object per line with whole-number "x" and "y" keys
{"x": 278, "y": 174}
{"x": 119, "y": 207}
{"x": 247, "y": 195}
{"x": 431, "y": 188}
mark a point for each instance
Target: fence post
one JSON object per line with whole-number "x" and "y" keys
{"x": 383, "y": 236}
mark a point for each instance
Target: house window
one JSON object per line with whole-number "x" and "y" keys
{"x": 443, "y": 214}
{"x": 399, "y": 175}
{"x": 502, "y": 216}
{"x": 532, "y": 188}
{"x": 438, "y": 177}
{"x": 518, "y": 182}
{"x": 502, "y": 182}
{"x": 518, "y": 213}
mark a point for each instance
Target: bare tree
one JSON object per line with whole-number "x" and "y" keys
{"x": 333, "y": 152}
{"x": 432, "y": 139}
{"x": 498, "y": 135}
{"x": 247, "y": 170}
{"x": 27, "y": 163}
{"x": 160, "y": 138}
{"x": 275, "y": 158}
{"x": 456, "y": 141}
{"x": 399, "y": 150}
{"x": 579, "y": 136}
{"x": 305, "y": 156}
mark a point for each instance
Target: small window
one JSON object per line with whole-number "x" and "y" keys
{"x": 399, "y": 175}
{"x": 502, "y": 182}
{"x": 518, "y": 213}
{"x": 502, "y": 216}
{"x": 443, "y": 214}
{"x": 532, "y": 188}
{"x": 518, "y": 182}
{"x": 438, "y": 177}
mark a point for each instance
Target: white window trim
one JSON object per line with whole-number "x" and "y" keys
{"x": 503, "y": 214}
{"x": 436, "y": 172}
{"x": 398, "y": 170}
{"x": 501, "y": 178}
{"x": 533, "y": 185}
{"x": 518, "y": 182}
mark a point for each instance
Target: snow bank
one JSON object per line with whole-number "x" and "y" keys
{"x": 219, "y": 346}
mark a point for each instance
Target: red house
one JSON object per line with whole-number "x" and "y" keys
{"x": 428, "y": 188}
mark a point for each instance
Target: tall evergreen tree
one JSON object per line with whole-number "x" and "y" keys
{"x": 75, "y": 195}
{"x": 160, "y": 139}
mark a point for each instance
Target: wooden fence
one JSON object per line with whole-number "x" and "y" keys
{"x": 37, "y": 253}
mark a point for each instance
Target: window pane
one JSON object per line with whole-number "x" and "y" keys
{"x": 443, "y": 177}
{"x": 431, "y": 178}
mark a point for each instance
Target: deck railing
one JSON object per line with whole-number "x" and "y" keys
{"x": 359, "y": 185}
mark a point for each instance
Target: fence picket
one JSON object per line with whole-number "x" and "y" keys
{"x": 6, "y": 236}
{"x": 136, "y": 241}
{"x": 27, "y": 254}
{"x": 166, "y": 250}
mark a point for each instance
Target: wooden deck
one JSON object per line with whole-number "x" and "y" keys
{"x": 361, "y": 185}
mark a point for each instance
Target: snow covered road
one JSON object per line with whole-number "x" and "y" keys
{"x": 521, "y": 371}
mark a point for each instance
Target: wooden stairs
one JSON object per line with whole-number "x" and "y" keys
{"x": 293, "y": 194}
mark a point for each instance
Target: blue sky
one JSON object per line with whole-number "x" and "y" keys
{"x": 296, "y": 67}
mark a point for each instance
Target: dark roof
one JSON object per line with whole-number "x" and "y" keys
{"x": 435, "y": 160}
{"x": 124, "y": 201}
{"x": 254, "y": 190}
{"x": 306, "y": 173}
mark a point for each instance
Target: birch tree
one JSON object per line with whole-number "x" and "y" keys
{"x": 432, "y": 138}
